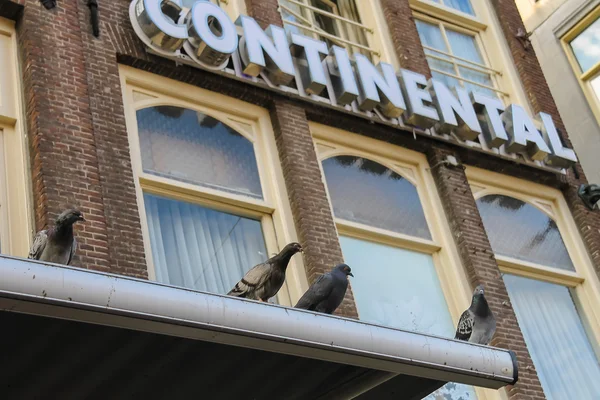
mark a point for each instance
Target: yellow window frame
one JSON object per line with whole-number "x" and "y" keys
{"x": 583, "y": 77}
{"x": 413, "y": 166}
{"x": 141, "y": 90}
{"x": 16, "y": 217}
{"x": 551, "y": 202}
{"x": 487, "y": 31}
{"x": 372, "y": 23}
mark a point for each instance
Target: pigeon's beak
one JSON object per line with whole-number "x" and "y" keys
{"x": 351, "y": 274}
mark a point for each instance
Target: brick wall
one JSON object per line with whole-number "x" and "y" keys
{"x": 80, "y": 155}
{"x": 312, "y": 215}
{"x": 405, "y": 37}
{"x": 540, "y": 98}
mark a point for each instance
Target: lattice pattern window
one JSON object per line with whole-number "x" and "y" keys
{"x": 379, "y": 207}
{"x": 548, "y": 282}
{"x": 337, "y": 22}
{"x": 455, "y": 57}
{"x": 206, "y": 186}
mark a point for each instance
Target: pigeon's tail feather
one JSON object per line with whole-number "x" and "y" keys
{"x": 237, "y": 291}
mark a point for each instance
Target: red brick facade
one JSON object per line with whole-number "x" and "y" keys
{"x": 80, "y": 152}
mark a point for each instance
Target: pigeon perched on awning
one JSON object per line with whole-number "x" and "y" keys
{"x": 477, "y": 324}
{"x": 327, "y": 293}
{"x": 264, "y": 280}
{"x": 57, "y": 244}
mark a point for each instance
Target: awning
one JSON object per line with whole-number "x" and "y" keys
{"x": 85, "y": 334}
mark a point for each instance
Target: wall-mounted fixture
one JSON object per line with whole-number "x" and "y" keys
{"x": 590, "y": 195}
{"x": 48, "y": 4}
{"x": 93, "y": 5}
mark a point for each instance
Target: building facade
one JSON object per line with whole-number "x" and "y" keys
{"x": 562, "y": 34}
{"x": 189, "y": 174}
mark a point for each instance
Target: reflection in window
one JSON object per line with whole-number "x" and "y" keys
{"x": 460, "y": 5}
{"x": 519, "y": 230}
{"x": 458, "y": 64}
{"x": 561, "y": 351}
{"x": 193, "y": 147}
{"x": 200, "y": 248}
{"x": 327, "y": 20}
{"x": 400, "y": 288}
{"x": 586, "y": 46}
{"x": 369, "y": 193}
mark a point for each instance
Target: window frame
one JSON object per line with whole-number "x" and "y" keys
{"x": 142, "y": 90}
{"x": 484, "y": 25}
{"x": 584, "y": 78}
{"x": 18, "y": 225}
{"x": 584, "y": 280}
{"x": 413, "y": 166}
{"x": 373, "y": 25}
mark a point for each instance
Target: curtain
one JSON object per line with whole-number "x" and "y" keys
{"x": 400, "y": 288}
{"x": 563, "y": 356}
{"x": 465, "y": 46}
{"x": 199, "y": 248}
{"x": 431, "y": 36}
{"x": 460, "y": 5}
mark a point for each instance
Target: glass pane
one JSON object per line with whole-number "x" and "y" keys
{"x": 431, "y": 36}
{"x": 367, "y": 192}
{"x": 586, "y": 46}
{"x": 479, "y": 77}
{"x": 199, "y": 248}
{"x": 517, "y": 229}
{"x": 400, "y": 288}
{"x": 464, "y": 46}
{"x": 291, "y": 17}
{"x": 460, "y": 5}
{"x": 192, "y": 147}
{"x": 561, "y": 351}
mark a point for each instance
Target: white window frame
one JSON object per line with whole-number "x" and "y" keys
{"x": 143, "y": 90}
{"x": 551, "y": 202}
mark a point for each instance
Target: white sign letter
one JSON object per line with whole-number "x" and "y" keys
{"x": 414, "y": 87}
{"x": 561, "y": 156}
{"x": 522, "y": 133}
{"x": 448, "y": 106}
{"x": 314, "y": 52}
{"x": 342, "y": 76}
{"x": 212, "y": 34}
{"x": 379, "y": 86}
{"x": 272, "y": 43}
{"x": 491, "y": 108}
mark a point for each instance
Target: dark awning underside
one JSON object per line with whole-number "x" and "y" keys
{"x": 74, "y": 334}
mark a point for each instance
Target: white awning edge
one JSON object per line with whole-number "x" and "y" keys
{"x": 88, "y": 296}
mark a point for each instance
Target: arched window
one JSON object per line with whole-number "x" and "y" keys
{"x": 193, "y": 245}
{"x": 390, "y": 236}
{"x": 207, "y": 191}
{"x": 543, "y": 285}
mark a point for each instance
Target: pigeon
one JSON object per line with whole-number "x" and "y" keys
{"x": 264, "y": 280}
{"x": 477, "y": 324}
{"x": 57, "y": 245}
{"x": 327, "y": 293}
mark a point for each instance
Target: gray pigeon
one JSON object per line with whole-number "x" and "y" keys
{"x": 264, "y": 280}
{"x": 57, "y": 244}
{"x": 477, "y": 324}
{"x": 327, "y": 293}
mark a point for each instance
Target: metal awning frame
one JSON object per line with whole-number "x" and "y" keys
{"x": 36, "y": 288}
